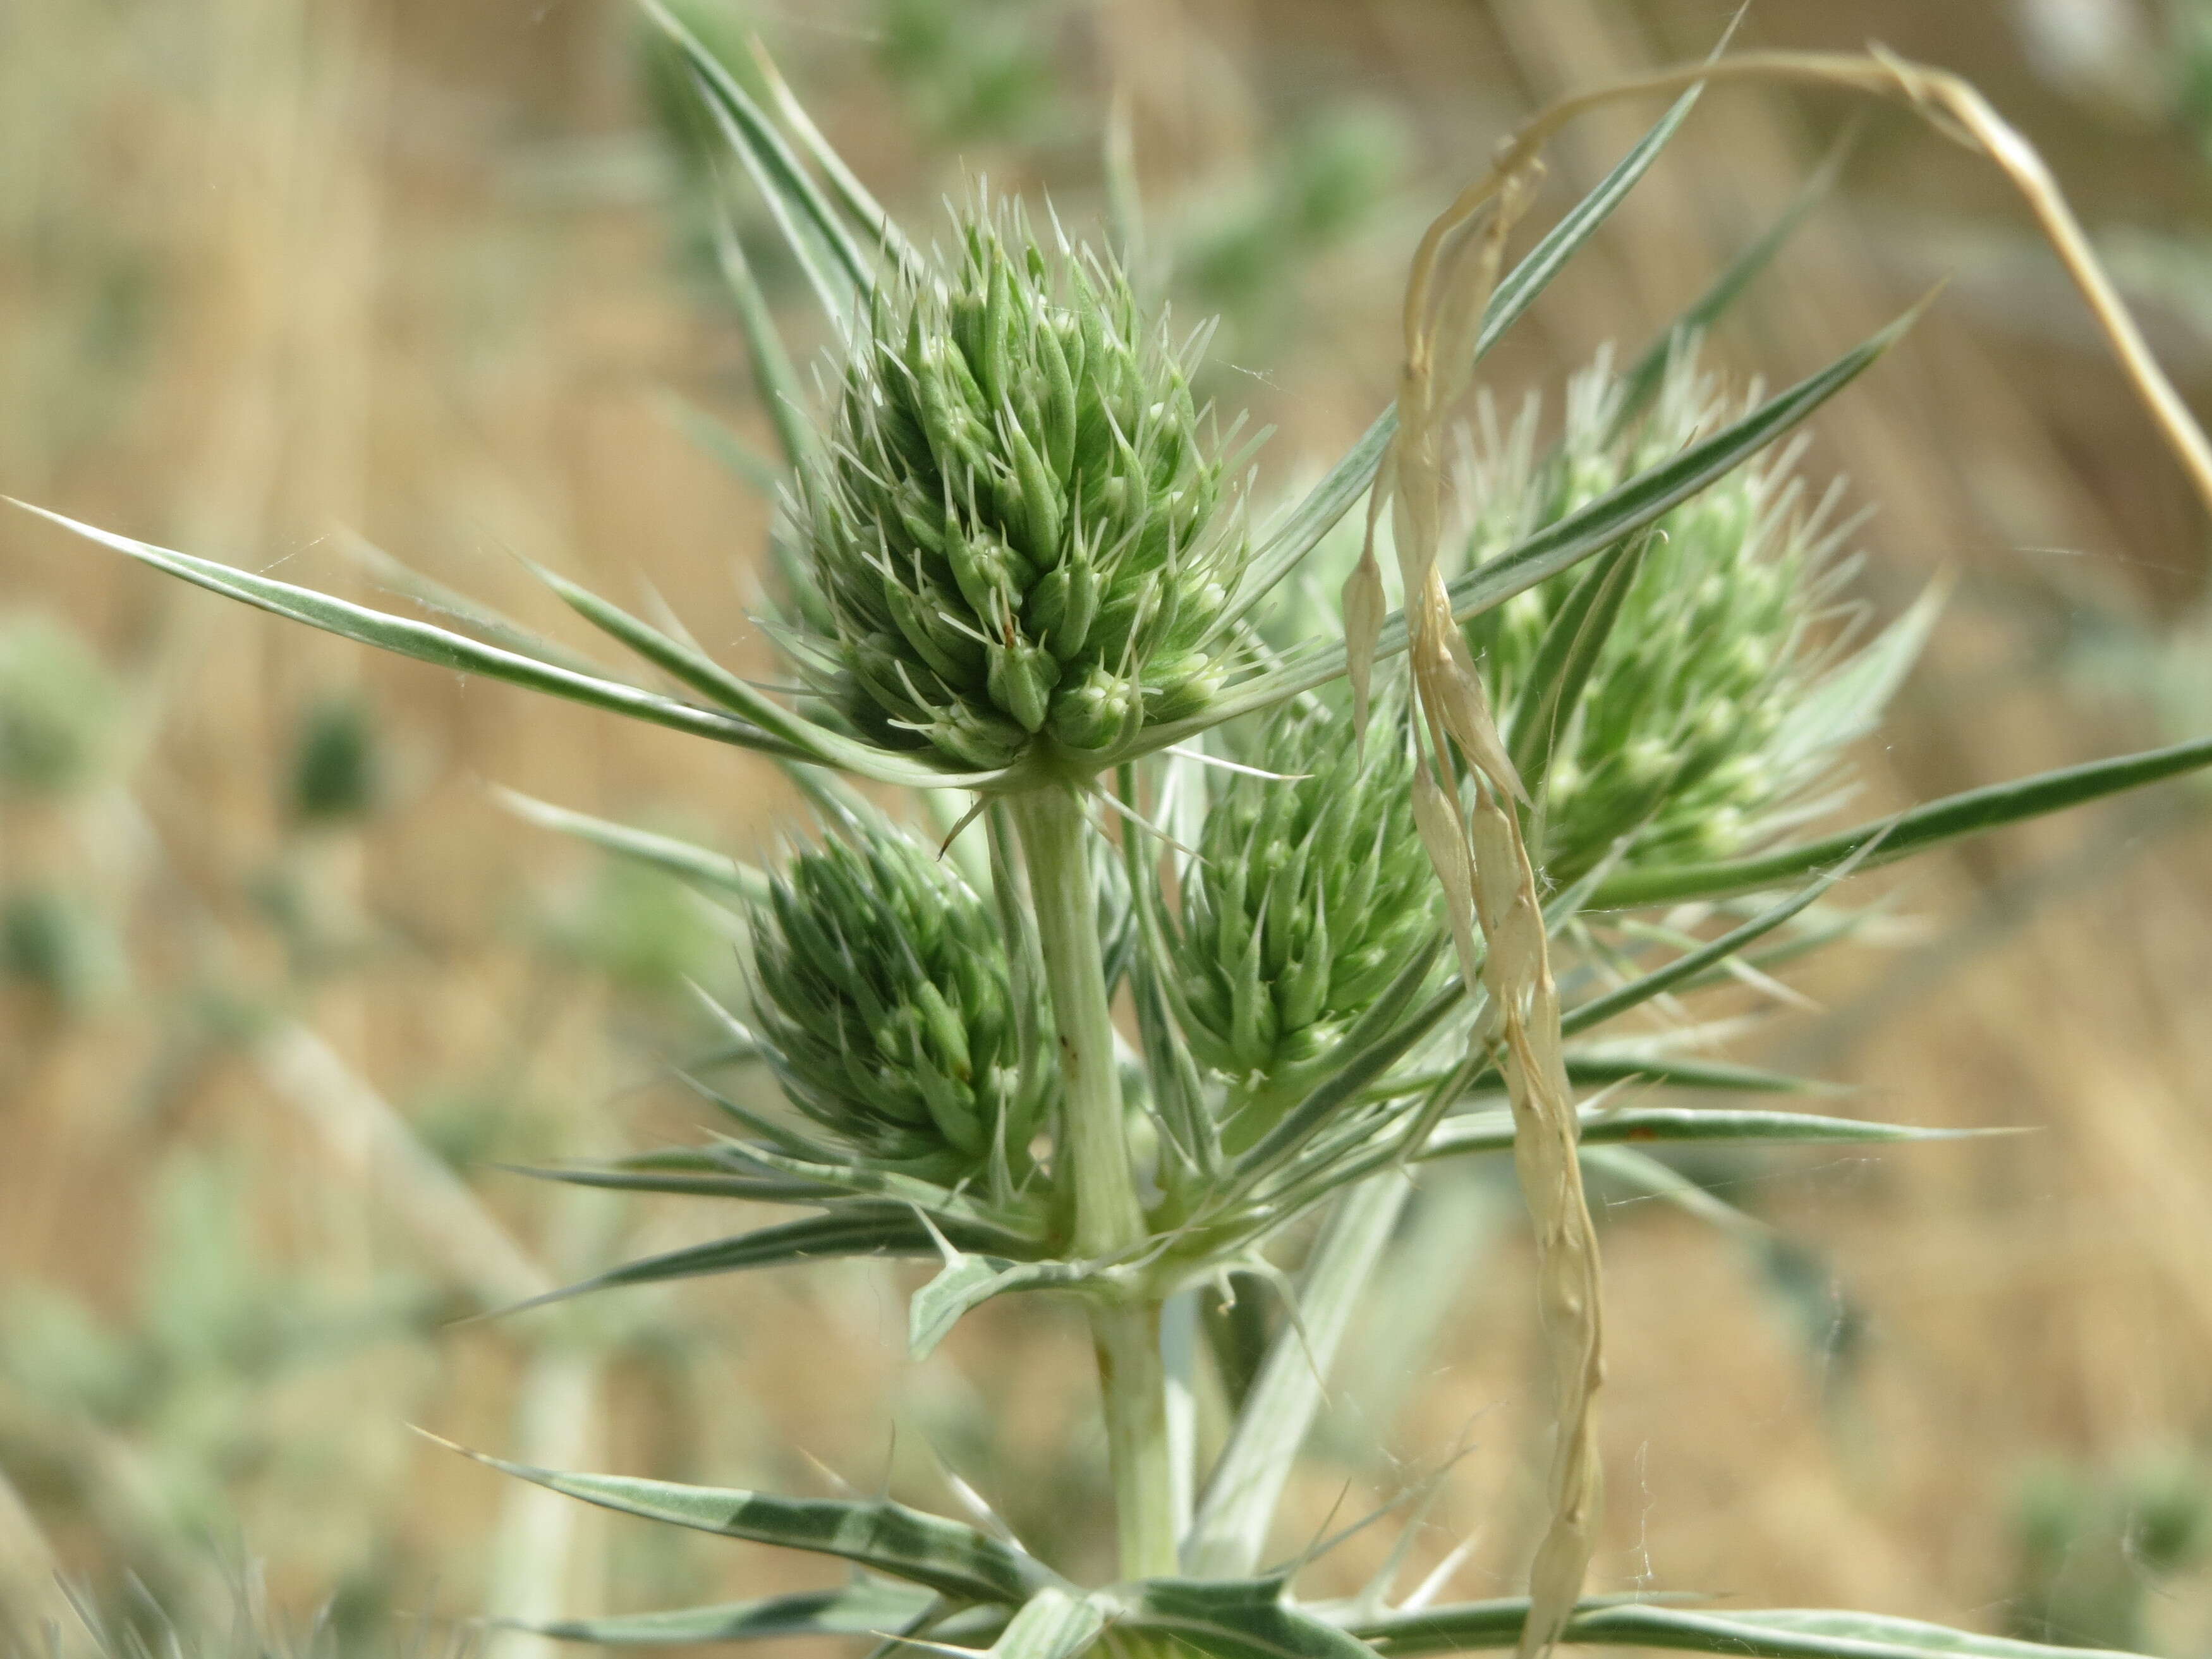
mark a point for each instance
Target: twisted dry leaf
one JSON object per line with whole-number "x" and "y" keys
{"x": 1525, "y": 1004}
{"x": 1488, "y": 880}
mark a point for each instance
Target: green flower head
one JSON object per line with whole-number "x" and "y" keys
{"x": 886, "y": 1008}
{"x": 1310, "y": 892}
{"x": 1017, "y": 520}
{"x": 1718, "y": 702}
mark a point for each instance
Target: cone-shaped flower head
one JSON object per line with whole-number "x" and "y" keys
{"x": 885, "y": 1007}
{"x": 1713, "y": 707}
{"x": 1018, "y": 522}
{"x": 1308, "y": 896}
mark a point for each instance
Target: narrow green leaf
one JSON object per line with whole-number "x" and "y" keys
{"x": 977, "y": 1225}
{"x": 790, "y": 189}
{"x": 1691, "y": 963}
{"x": 1559, "y": 546}
{"x": 803, "y": 740}
{"x": 1783, "y": 1633}
{"x": 707, "y": 1182}
{"x": 433, "y": 645}
{"x": 1492, "y": 1132}
{"x": 1518, "y": 288}
{"x": 866, "y": 1608}
{"x": 875, "y": 1230}
{"x": 477, "y": 617}
{"x": 1974, "y": 812}
{"x": 1638, "y": 1169}
{"x": 1671, "y": 1072}
{"x": 860, "y": 204}
{"x": 1600, "y": 1067}
{"x": 1052, "y": 1624}
{"x": 877, "y": 1534}
{"x": 1347, "y": 480}
{"x": 679, "y": 858}
{"x": 1229, "y": 1533}
{"x": 714, "y": 435}
{"x": 775, "y": 1134}
{"x": 774, "y": 380}
{"x": 1642, "y": 381}
{"x": 1234, "y": 1619}
{"x": 1565, "y": 658}
{"x": 1649, "y": 495}
{"x": 1193, "y": 1132}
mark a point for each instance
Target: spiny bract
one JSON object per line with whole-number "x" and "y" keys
{"x": 1017, "y": 520}
{"x": 885, "y": 1007}
{"x": 1310, "y": 892}
{"x": 1685, "y": 739}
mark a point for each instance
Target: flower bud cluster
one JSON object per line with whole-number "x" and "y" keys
{"x": 1680, "y": 740}
{"x": 1310, "y": 892}
{"x": 1018, "y": 524}
{"x": 885, "y": 1007}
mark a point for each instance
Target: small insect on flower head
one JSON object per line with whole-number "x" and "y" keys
{"x": 885, "y": 1009}
{"x": 1018, "y": 521}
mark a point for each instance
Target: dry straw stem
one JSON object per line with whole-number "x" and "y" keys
{"x": 1484, "y": 862}
{"x": 1524, "y": 1021}
{"x": 1949, "y": 103}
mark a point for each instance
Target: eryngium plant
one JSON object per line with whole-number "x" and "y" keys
{"x": 886, "y": 1011}
{"x": 1017, "y": 520}
{"x": 1016, "y": 590}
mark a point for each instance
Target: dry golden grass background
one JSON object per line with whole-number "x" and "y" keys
{"x": 273, "y": 270}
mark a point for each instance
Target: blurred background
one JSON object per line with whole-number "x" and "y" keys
{"x": 282, "y": 984}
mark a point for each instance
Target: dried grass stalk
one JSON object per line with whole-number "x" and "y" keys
{"x": 1483, "y": 861}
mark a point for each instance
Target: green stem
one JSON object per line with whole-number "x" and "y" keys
{"x": 1094, "y": 1151}
{"x": 1139, "y": 1449}
{"x": 1108, "y": 1217}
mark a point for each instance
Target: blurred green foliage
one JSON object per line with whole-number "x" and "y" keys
{"x": 1324, "y": 182}
{"x": 2098, "y": 1544}
{"x": 61, "y": 947}
{"x": 151, "y": 1422}
{"x": 336, "y": 775}
{"x": 61, "y": 710}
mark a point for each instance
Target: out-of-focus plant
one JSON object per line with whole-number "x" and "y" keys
{"x": 1319, "y": 188}
{"x": 337, "y": 770}
{"x": 972, "y": 68}
{"x": 2099, "y": 1549}
{"x": 62, "y": 714}
{"x": 152, "y": 1425}
{"x": 59, "y": 946}
{"x": 2145, "y": 61}
{"x": 1017, "y": 586}
{"x": 64, "y": 732}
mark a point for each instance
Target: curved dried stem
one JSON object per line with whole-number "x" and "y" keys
{"x": 1948, "y": 102}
